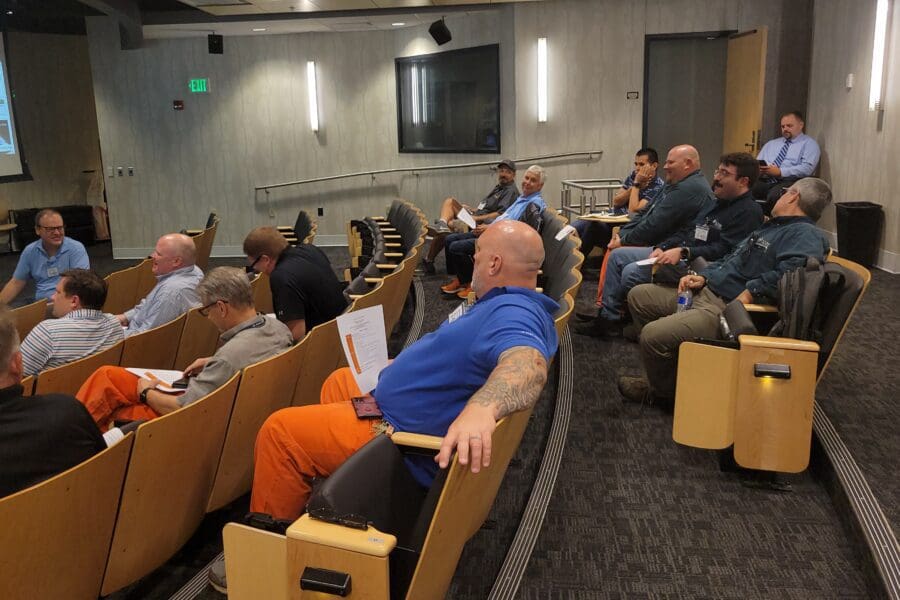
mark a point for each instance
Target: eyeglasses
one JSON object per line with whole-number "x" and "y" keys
{"x": 53, "y": 229}
{"x": 253, "y": 264}
{"x": 724, "y": 173}
{"x": 204, "y": 310}
{"x": 331, "y": 516}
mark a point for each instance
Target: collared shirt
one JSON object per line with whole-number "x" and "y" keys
{"x": 36, "y": 264}
{"x": 173, "y": 295}
{"x": 41, "y": 436}
{"x": 55, "y": 342}
{"x": 649, "y": 193}
{"x": 802, "y": 156}
{"x": 498, "y": 200}
{"x": 517, "y": 208}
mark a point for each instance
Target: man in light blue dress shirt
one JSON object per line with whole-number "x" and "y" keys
{"x": 175, "y": 291}
{"x": 45, "y": 258}
{"x": 789, "y": 158}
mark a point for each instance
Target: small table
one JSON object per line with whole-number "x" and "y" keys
{"x": 8, "y": 228}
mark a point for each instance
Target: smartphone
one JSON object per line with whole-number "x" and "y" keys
{"x": 180, "y": 384}
{"x": 763, "y": 163}
{"x": 366, "y": 407}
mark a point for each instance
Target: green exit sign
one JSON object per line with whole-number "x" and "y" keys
{"x": 199, "y": 86}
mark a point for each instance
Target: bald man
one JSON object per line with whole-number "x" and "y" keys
{"x": 175, "y": 291}
{"x": 457, "y": 382}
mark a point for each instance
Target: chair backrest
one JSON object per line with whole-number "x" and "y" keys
{"x": 28, "y": 316}
{"x": 55, "y": 537}
{"x": 155, "y": 348}
{"x": 561, "y": 318}
{"x": 324, "y": 354}
{"x": 27, "y": 385}
{"x": 121, "y": 286}
{"x": 199, "y": 339}
{"x": 146, "y": 281}
{"x": 856, "y": 281}
{"x": 169, "y": 477}
{"x": 302, "y": 226}
{"x": 66, "y": 379}
{"x": 204, "y": 244}
{"x": 211, "y": 220}
{"x": 461, "y": 510}
{"x": 262, "y": 294}
{"x": 265, "y": 387}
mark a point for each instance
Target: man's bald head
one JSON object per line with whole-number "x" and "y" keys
{"x": 508, "y": 253}
{"x": 173, "y": 251}
{"x": 681, "y": 161}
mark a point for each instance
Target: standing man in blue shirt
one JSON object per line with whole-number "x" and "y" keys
{"x": 44, "y": 259}
{"x": 787, "y": 159}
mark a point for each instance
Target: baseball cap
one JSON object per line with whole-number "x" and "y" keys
{"x": 507, "y": 163}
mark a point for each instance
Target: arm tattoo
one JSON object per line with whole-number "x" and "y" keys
{"x": 515, "y": 383}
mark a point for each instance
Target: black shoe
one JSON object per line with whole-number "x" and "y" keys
{"x": 583, "y": 316}
{"x": 630, "y": 333}
{"x": 428, "y": 267}
{"x": 600, "y": 327}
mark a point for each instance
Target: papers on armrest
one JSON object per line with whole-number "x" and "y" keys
{"x": 464, "y": 216}
{"x": 165, "y": 376}
{"x": 365, "y": 345}
{"x": 647, "y": 261}
{"x": 564, "y": 233}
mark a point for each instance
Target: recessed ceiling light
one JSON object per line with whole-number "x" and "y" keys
{"x": 397, "y": 24}
{"x": 9, "y": 12}
{"x": 259, "y": 29}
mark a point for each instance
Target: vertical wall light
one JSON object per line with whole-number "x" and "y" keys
{"x": 414, "y": 85}
{"x": 313, "y": 95}
{"x": 542, "y": 80}
{"x": 876, "y": 86}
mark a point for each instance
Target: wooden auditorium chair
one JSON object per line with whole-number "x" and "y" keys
{"x": 155, "y": 348}
{"x": 121, "y": 288}
{"x": 66, "y": 379}
{"x": 198, "y": 339}
{"x": 28, "y": 316}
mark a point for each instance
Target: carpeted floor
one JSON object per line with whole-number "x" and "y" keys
{"x": 635, "y": 515}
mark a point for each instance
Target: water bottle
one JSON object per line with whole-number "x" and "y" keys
{"x": 685, "y": 300}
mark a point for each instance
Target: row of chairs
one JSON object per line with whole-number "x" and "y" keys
{"x": 303, "y": 231}
{"x": 415, "y": 551}
{"x": 203, "y": 240}
{"x": 561, "y": 272}
{"x": 117, "y": 512}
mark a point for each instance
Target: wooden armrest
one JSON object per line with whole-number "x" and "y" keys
{"x": 370, "y": 542}
{"x": 379, "y": 218}
{"x": 777, "y": 343}
{"x": 284, "y": 228}
{"x": 356, "y": 296}
{"x": 761, "y": 308}
{"x": 193, "y": 231}
{"x": 385, "y": 229}
{"x": 392, "y": 236}
{"x": 372, "y": 279}
{"x": 394, "y": 254}
{"x": 417, "y": 440}
{"x": 539, "y": 290}
{"x": 386, "y": 266}
{"x": 392, "y": 245}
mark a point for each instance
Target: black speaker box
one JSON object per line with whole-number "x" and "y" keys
{"x": 440, "y": 33}
{"x": 216, "y": 44}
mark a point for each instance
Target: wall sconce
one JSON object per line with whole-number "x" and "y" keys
{"x": 542, "y": 79}
{"x": 313, "y": 95}
{"x": 876, "y": 86}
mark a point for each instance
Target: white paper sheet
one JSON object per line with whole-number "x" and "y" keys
{"x": 647, "y": 261}
{"x": 564, "y": 233}
{"x": 165, "y": 376}
{"x": 365, "y": 344}
{"x": 464, "y": 216}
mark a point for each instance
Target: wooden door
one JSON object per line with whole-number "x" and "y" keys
{"x": 745, "y": 79}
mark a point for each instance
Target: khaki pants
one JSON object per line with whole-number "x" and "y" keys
{"x": 663, "y": 329}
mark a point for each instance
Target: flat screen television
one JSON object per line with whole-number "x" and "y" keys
{"x": 449, "y": 101}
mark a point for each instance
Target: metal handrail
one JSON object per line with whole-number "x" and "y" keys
{"x": 589, "y": 153}
{"x": 608, "y": 184}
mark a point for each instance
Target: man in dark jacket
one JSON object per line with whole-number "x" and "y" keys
{"x": 711, "y": 236}
{"x": 750, "y": 273}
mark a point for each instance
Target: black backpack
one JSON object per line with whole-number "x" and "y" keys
{"x": 806, "y": 297}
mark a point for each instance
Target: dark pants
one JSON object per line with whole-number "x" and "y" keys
{"x": 460, "y": 251}
{"x": 592, "y": 234}
{"x": 768, "y": 191}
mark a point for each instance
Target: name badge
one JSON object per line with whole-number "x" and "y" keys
{"x": 482, "y": 205}
{"x": 701, "y": 233}
{"x": 460, "y": 311}
{"x": 52, "y": 271}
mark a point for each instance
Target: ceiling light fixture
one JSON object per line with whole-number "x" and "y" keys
{"x": 397, "y": 24}
{"x": 259, "y": 29}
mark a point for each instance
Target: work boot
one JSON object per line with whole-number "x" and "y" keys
{"x": 453, "y": 287}
{"x": 464, "y": 292}
{"x": 585, "y": 316}
{"x": 600, "y": 327}
{"x": 428, "y": 267}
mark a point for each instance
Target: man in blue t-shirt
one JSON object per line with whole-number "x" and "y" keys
{"x": 457, "y": 382}
{"x": 44, "y": 259}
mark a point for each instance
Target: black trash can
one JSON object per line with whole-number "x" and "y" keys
{"x": 859, "y": 231}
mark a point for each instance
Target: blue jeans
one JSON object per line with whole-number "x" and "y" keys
{"x": 592, "y": 234}
{"x": 460, "y": 251}
{"x": 622, "y": 274}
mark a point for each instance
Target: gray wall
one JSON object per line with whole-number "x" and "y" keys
{"x": 252, "y": 129}
{"x": 55, "y": 117}
{"x": 859, "y": 147}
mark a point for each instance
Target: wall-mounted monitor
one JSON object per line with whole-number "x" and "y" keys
{"x": 449, "y": 101}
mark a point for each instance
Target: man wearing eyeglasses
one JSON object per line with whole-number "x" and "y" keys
{"x": 750, "y": 273}
{"x": 713, "y": 234}
{"x": 45, "y": 259}
{"x": 305, "y": 289}
{"x": 114, "y": 393}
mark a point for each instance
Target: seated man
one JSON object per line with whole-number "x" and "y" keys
{"x": 638, "y": 191}
{"x": 461, "y": 246}
{"x": 305, "y": 290}
{"x": 45, "y": 258}
{"x": 750, "y": 273}
{"x": 498, "y": 200}
{"x": 113, "y": 393}
{"x": 788, "y": 158}
{"x": 80, "y": 328}
{"x": 175, "y": 291}
{"x": 455, "y": 382}
{"x": 733, "y": 217}
{"x": 40, "y": 436}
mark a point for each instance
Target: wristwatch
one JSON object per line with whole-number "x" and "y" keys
{"x": 143, "y": 395}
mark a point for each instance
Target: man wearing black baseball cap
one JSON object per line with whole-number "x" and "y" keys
{"x": 498, "y": 200}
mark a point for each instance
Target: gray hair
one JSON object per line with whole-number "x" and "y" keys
{"x": 539, "y": 171}
{"x": 9, "y": 338}
{"x": 226, "y": 283}
{"x": 815, "y": 195}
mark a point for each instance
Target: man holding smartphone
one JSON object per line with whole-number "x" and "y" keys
{"x": 784, "y": 160}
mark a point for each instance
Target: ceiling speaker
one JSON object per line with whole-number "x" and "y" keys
{"x": 440, "y": 33}
{"x": 216, "y": 44}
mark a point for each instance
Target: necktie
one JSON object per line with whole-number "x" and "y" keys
{"x": 781, "y": 153}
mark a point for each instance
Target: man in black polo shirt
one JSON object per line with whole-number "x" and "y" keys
{"x": 40, "y": 436}
{"x": 305, "y": 290}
